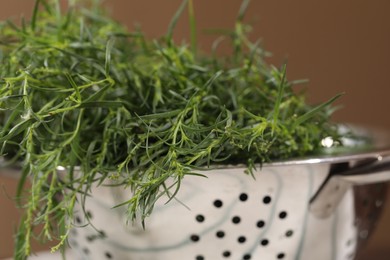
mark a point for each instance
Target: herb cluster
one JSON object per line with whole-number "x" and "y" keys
{"x": 79, "y": 90}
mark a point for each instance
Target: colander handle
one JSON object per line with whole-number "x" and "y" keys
{"x": 342, "y": 176}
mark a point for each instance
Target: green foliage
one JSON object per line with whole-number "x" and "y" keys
{"x": 79, "y": 90}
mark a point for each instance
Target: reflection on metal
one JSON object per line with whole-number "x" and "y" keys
{"x": 342, "y": 176}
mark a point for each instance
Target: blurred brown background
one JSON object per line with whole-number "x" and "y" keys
{"x": 341, "y": 46}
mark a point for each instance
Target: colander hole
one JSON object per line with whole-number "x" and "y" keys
{"x": 218, "y": 203}
{"x": 241, "y": 239}
{"x": 200, "y": 218}
{"x": 236, "y": 219}
{"x": 357, "y": 222}
{"x": 264, "y": 242}
{"x": 267, "y": 200}
{"x": 199, "y": 257}
{"x": 260, "y": 224}
{"x": 89, "y": 214}
{"x": 194, "y": 238}
{"x": 247, "y": 257}
{"x": 78, "y": 220}
{"x": 281, "y": 256}
{"x": 243, "y": 197}
{"x": 289, "y": 233}
{"x": 220, "y": 234}
{"x": 108, "y": 255}
{"x": 371, "y": 216}
{"x": 363, "y": 234}
{"x": 380, "y": 188}
{"x": 378, "y": 203}
{"x": 283, "y": 215}
{"x": 226, "y": 254}
{"x": 86, "y": 250}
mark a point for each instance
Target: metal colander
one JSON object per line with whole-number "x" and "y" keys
{"x": 309, "y": 209}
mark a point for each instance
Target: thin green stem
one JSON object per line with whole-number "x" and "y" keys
{"x": 192, "y": 21}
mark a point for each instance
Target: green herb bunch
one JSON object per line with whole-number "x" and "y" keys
{"x": 80, "y": 91}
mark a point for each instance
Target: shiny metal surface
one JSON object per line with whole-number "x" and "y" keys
{"x": 367, "y": 169}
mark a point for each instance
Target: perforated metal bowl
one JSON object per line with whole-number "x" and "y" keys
{"x": 316, "y": 208}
